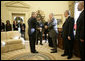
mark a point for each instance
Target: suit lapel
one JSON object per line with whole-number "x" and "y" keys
{"x": 65, "y": 21}
{"x": 80, "y": 16}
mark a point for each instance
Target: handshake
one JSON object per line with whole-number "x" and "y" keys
{"x": 40, "y": 29}
{"x": 46, "y": 26}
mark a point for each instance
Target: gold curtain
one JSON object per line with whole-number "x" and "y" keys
{"x": 71, "y": 7}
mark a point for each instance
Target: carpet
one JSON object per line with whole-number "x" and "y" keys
{"x": 44, "y": 54}
{"x": 34, "y": 56}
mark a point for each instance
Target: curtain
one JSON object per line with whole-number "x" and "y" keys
{"x": 71, "y": 7}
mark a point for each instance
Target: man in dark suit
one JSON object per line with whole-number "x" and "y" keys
{"x": 2, "y": 27}
{"x": 32, "y": 31}
{"x": 80, "y": 29}
{"x": 45, "y": 32}
{"x": 68, "y": 35}
{"x": 8, "y": 26}
{"x": 22, "y": 29}
{"x": 15, "y": 26}
{"x": 39, "y": 30}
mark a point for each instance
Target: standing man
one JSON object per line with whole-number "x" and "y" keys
{"x": 32, "y": 32}
{"x": 2, "y": 26}
{"x": 45, "y": 32}
{"x": 15, "y": 26}
{"x": 8, "y": 26}
{"x": 80, "y": 29}
{"x": 52, "y": 27}
{"x": 68, "y": 35}
{"x": 39, "y": 30}
{"x": 22, "y": 29}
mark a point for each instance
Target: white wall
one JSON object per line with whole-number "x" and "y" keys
{"x": 56, "y": 7}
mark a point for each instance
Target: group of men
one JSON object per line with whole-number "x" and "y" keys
{"x": 34, "y": 29}
{"x": 67, "y": 33}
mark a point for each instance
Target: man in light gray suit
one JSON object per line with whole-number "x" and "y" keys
{"x": 52, "y": 27}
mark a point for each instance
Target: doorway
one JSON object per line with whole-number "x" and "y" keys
{"x": 18, "y": 17}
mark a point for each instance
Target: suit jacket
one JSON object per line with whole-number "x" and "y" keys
{"x": 68, "y": 27}
{"x": 32, "y": 24}
{"x": 39, "y": 25}
{"x": 80, "y": 26}
{"x": 2, "y": 26}
{"x": 45, "y": 30}
{"x": 51, "y": 28}
{"x": 15, "y": 27}
{"x": 22, "y": 26}
{"x": 8, "y": 27}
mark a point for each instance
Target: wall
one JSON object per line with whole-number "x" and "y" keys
{"x": 56, "y": 7}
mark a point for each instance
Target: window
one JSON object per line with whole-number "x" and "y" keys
{"x": 76, "y": 12}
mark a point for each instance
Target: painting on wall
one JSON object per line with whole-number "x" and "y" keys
{"x": 59, "y": 21}
{"x": 59, "y": 18}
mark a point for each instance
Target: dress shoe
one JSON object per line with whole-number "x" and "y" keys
{"x": 64, "y": 55}
{"x": 69, "y": 57}
{"x": 41, "y": 44}
{"x": 34, "y": 52}
{"x": 50, "y": 46}
{"x": 52, "y": 49}
{"x": 36, "y": 43}
{"x": 54, "y": 52}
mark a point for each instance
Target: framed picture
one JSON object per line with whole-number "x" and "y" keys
{"x": 59, "y": 18}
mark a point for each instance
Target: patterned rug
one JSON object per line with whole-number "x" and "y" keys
{"x": 34, "y": 56}
{"x": 44, "y": 54}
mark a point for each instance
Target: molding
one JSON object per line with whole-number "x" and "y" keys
{"x": 14, "y": 4}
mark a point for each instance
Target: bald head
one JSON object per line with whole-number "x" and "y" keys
{"x": 51, "y": 15}
{"x": 81, "y": 5}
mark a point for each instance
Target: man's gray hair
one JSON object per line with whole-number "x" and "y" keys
{"x": 52, "y": 14}
{"x": 68, "y": 11}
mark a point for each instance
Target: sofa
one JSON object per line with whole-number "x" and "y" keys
{"x": 11, "y": 41}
